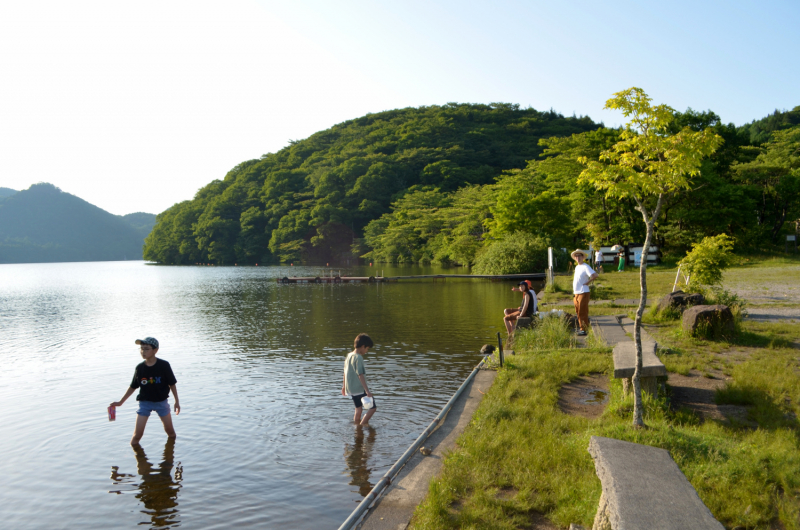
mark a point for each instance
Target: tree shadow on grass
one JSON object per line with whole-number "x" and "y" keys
{"x": 758, "y": 340}
{"x": 762, "y": 408}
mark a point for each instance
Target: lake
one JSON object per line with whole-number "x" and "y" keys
{"x": 264, "y": 437}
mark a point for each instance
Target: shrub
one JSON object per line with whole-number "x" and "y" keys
{"x": 518, "y": 253}
{"x": 732, "y": 300}
{"x": 706, "y": 261}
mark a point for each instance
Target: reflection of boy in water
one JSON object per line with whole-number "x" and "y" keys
{"x": 357, "y": 457}
{"x": 158, "y": 491}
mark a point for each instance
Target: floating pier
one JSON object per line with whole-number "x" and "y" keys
{"x": 333, "y": 279}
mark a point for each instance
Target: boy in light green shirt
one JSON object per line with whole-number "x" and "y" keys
{"x": 354, "y": 382}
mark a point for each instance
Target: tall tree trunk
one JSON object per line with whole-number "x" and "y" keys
{"x": 649, "y": 221}
{"x": 638, "y": 421}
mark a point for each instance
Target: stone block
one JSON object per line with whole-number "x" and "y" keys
{"x": 571, "y": 320}
{"x": 625, "y": 360}
{"x": 680, "y": 301}
{"x": 644, "y": 488}
{"x": 718, "y": 317}
{"x": 523, "y": 322}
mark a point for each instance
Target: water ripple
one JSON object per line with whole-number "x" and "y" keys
{"x": 264, "y": 437}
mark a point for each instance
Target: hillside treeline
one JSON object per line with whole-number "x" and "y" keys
{"x": 460, "y": 183}
{"x": 313, "y": 199}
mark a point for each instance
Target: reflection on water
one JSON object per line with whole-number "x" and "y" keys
{"x": 357, "y": 456}
{"x": 155, "y": 486}
{"x": 596, "y": 397}
{"x": 263, "y": 425}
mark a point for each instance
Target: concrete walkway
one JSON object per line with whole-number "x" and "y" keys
{"x": 616, "y": 329}
{"x": 619, "y": 301}
{"x": 394, "y": 509}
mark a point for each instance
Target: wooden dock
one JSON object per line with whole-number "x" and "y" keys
{"x": 538, "y": 277}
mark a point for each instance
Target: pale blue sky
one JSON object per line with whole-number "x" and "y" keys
{"x": 135, "y": 105}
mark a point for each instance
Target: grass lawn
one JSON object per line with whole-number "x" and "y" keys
{"x": 522, "y": 457}
{"x": 752, "y": 275}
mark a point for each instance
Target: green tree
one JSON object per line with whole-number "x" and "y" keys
{"x": 774, "y": 176}
{"x": 316, "y": 196}
{"x": 518, "y": 253}
{"x": 648, "y": 164}
{"x": 707, "y": 260}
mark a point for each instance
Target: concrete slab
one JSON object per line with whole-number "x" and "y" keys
{"x": 394, "y": 509}
{"x": 627, "y": 324}
{"x": 608, "y": 327}
{"x": 625, "y": 360}
{"x": 644, "y": 488}
{"x": 632, "y": 301}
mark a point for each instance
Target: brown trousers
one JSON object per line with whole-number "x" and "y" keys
{"x": 582, "y": 310}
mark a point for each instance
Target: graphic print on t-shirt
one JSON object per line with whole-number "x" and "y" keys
{"x": 154, "y": 381}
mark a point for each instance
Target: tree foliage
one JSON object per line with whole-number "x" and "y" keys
{"x": 774, "y": 178}
{"x": 314, "y": 198}
{"x": 438, "y": 184}
{"x": 707, "y": 260}
{"x": 650, "y": 161}
{"x": 518, "y": 253}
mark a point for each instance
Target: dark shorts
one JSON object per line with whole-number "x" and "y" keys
{"x": 358, "y": 404}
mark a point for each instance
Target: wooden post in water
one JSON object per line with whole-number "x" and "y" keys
{"x": 500, "y": 349}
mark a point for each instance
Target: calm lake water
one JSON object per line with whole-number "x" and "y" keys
{"x": 264, "y": 437}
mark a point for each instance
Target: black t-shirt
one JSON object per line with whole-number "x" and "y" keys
{"x": 153, "y": 381}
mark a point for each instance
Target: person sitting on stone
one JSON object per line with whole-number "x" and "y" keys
{"x": 527, "y": 309}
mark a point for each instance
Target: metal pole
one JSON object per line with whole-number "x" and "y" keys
{"x": 500, "y": 349}
{"x": 675, "y": 285}
{"x": 386, "y": 480}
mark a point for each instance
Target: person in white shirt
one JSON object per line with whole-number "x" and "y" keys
{"x": 584, "y": 275}
{"x": 598, "y": 260}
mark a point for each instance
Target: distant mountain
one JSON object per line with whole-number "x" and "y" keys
{"x": 45, "y": 224}
{"x": 6, "y": 192}
{"x": 142, "y": 222}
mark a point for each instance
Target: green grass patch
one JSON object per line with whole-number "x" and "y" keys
{"x": 521, "y": 454}
{"x": 551, "y": 333}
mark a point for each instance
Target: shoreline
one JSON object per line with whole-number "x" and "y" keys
{"x": 395, "y": 507}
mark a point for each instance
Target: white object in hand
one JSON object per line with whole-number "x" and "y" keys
{"x": 367, "y": 402}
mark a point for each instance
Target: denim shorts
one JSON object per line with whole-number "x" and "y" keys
{"x": 146, "y": 407}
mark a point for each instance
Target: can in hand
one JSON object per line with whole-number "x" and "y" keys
{"x": 112, "y": 413}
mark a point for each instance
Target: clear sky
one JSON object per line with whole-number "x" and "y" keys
{"x": 135, "y": 105}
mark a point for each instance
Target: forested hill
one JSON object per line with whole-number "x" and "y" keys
{"x": 312, "y": 199}
{"x": 760, "y": 131}
{"x": 45, "y": 224}
{"x": 142, "y": 222}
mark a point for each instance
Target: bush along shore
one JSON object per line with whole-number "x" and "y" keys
{"x": 728, "y": 415}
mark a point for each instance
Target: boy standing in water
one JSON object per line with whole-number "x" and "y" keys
{"x": 155, "y": 380}
{"x": 354, "y": 382}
